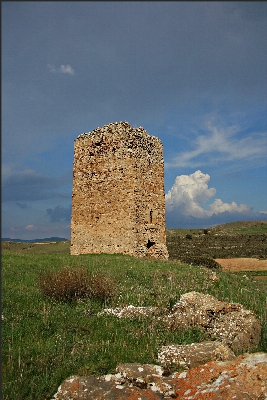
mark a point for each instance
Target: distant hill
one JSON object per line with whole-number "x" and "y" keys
{"x": 238, "y": 225}
{"x": 51, "y": 239}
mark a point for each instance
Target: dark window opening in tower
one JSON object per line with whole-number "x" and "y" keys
{"x": 150, "y": 215}
{"x": 150, "y": 244}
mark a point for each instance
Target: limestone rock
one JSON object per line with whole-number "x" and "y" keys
{"x": 134, "y": 312}
{"x": 245, "y": 377}
{"x": 194, "y": 354}
{"x": 229, "y": 323}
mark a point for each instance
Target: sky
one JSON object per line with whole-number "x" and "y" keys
{"x": 193, "y": 74}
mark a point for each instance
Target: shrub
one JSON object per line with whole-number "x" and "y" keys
{"x": 73, "y": 284}
{"x": 201, "y": 260}
{"x": 102, "y": 287}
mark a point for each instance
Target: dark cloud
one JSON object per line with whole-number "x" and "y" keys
{"x": 21, "y": 205}
{"x": 28, "y": 185}
{"x": 248, "y": 10}
{"x": 59, "y": 213}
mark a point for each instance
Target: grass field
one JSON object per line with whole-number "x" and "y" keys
{"x": 45, "y": 341}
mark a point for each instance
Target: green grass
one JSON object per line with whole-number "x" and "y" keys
{"x": 36, "y": 248}
{"x": 252, "y": 230}
{"x": 45, "y": 341}
{"x": 249, "y": 228}
{"x": 243, "y": 227}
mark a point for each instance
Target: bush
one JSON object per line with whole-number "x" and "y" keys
{"x": 72, "y": 284}
{"x": 201, "y": 260}
{"x": 102, "y": 287}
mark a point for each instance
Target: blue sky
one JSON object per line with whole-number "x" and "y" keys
{"x": 193, "y": 74}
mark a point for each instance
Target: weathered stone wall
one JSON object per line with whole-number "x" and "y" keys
{"x": 118, "y": 201}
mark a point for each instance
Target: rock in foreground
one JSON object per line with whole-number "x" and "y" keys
{"x": 229, "y": 323}
{"x": 194, "y": 354}
{"x": 245, "y": 377}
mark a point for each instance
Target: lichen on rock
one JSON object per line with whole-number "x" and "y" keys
{"x": 244, "y": 377}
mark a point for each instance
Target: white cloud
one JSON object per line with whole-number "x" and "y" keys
{"x": 66, "y": 69}
{"x": 51, "y": 68}
{"x": 190, "y": 192}
{"x": 30, "y": 227}
{"x": 220, "y": 144}
{"x": 218, "y": 207}
{"x": 63, "y": 69}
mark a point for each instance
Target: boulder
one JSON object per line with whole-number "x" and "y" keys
{"x": 229, "y": 323}
{"x": 245, "y": 377}
{"x": 192, "y": 355}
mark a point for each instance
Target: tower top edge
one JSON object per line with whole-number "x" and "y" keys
{"x": 119, "y": 128}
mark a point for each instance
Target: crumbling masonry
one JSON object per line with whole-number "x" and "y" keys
{"x": 118, "y": 201}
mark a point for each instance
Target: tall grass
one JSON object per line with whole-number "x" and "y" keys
{"x": 45, "y": 340}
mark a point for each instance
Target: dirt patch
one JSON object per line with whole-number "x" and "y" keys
{"x": 242, "y": 264}
{"x": 260, "y": 278}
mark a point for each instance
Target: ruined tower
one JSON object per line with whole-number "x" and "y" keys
{"x": 118, "y": 200}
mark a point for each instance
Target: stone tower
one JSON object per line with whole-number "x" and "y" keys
{"x": 118, "y": 201}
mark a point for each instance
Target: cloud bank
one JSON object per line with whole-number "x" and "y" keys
{"x": 29, "y": 185}
{"x": 188, "y": 195}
